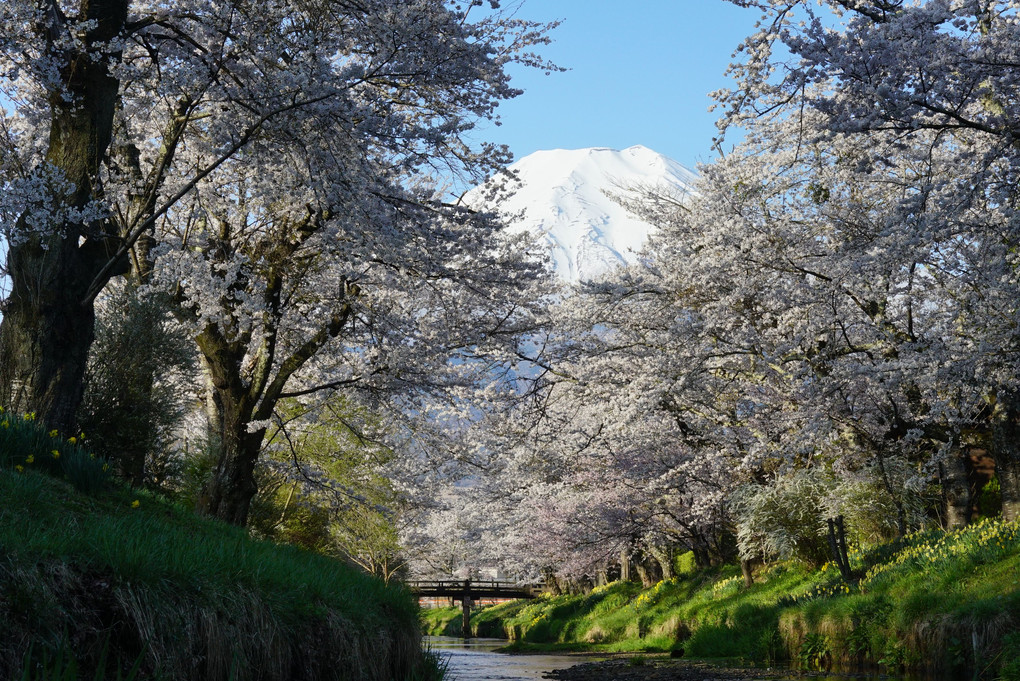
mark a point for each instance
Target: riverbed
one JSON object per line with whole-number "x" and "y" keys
{"x": 476, "y": 660}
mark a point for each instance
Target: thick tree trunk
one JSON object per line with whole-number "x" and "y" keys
{"x": 647, "y": 569}
{"x": 229, "y": 492}
{"x": 229, "y": 409}
{"x": 47, "y": 326}
{"x": 44, "y": 339}
{"x": 956, "y": 497}
{"x": 1005, "y": 451}
{"x": 665, "y": 559}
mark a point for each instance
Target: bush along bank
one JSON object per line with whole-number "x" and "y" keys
{"x": 947, "y": 603}
{"x": 118, "y": 584}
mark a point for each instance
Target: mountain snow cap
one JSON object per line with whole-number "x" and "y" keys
{"x": 564, "y": 197}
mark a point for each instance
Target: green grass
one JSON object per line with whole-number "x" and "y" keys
{"x": 920, "y": 602}
{"x": 117, "y": 577}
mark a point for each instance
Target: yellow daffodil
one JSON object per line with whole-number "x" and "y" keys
{"x": 56, "y": 454}
{"x": 72, "y": 439}
{"x": 54, "y": 433}
{"x": 30, "y": 458}
{"x": 135, "y": 503}
{"x": 19, "y": 468}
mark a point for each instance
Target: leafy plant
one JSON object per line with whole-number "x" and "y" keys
{"x": 814, "y": 651}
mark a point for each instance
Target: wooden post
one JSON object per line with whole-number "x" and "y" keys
{"x": 465, "y": 603}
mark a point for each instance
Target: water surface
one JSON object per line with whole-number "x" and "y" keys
{"x": 474, "y": 660}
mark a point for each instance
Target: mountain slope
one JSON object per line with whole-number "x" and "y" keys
{"x": 563, "y": 196}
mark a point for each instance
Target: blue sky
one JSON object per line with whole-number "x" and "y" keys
{"x": 640, "y": 73}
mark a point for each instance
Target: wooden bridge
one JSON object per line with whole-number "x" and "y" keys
{"x": 468, "y": 591}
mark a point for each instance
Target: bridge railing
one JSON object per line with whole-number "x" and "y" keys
{"x": 489, "y": 587}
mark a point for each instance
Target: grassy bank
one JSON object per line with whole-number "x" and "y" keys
{"x": 935, "y": 600}
{"x": 114, "y": 579}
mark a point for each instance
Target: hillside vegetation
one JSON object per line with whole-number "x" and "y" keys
{"x": 116, "y": 583}
{"x": 935, "y": 600}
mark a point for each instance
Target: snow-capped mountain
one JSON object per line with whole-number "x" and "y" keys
{"x": 563, "y": 197}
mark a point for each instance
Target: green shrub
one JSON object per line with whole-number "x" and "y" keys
{"x": 685, "y": 564}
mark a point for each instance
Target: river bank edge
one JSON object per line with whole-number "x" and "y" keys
{"x": 601, "y": 666}
{"x": 120, "y": 583}
{"x": 664, "y": 668}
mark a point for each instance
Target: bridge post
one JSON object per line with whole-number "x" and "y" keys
{"x": 465, "y": 603}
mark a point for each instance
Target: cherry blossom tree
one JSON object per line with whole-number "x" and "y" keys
{"x": 118, "y": 110}
{"x": 943, "y": 74}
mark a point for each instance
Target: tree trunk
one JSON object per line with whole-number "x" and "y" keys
{"x": 647, "y": 569}
{"x": 45, "y": 337}
{"x": 665, "y": 559}
{"x": 625, "y": 565}
{"x": 956, "y": 498}
{"x": 837, "y": 545}
{"x": 229, "y": 492}
{"x": 745, "y": 570}
{"x": 47, "y": 325}
{"x": 1005, "y": 451}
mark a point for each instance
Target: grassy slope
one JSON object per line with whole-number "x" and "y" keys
{"x": 920, "y": 603}
{"x": 192, "y": 598}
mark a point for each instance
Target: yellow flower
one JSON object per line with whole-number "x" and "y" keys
{"x": 106, "y": 467}
{"x": 135, "y": 503}
{"x": 19, "y": 468}
{"x": 72, "y": 439}
{"x": 54, "y": 433}
{"x": 30, "y": 458}
{"x": 30, "y": 416}
{"x": 4, "y": 424}
{"x": 56, "y": 454}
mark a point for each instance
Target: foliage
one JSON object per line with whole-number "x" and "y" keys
{"x": 783, "y": 519}
{"x": 327, "y": 489}
{"x": 813, "y": 651}
{"x": 137, "y": 385}
{"x": 63, "y": 666}
{"x": 25, "y": 446}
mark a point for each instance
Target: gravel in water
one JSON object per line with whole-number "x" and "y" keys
{"x": 673, "y": 670}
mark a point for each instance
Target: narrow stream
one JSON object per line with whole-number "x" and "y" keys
{"x": 474, "y": 660}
